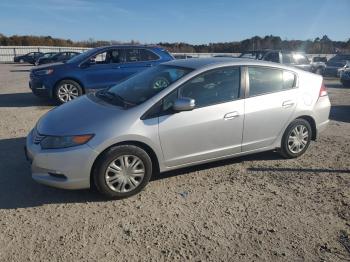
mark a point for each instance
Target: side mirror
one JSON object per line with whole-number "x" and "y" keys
{"x": 88, "y": 63}
{"x": 184, "y": 104}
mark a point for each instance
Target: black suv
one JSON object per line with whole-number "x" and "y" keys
{"x": 28, "y": 58}
{"x": 296, "y": 59}
{"x": 58, "y": 57}
{"x": 335, "y": 63}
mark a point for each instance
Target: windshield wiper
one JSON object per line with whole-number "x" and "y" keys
{"x": 115, "y": 97}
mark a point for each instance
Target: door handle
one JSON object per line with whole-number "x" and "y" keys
{"x": 231, "y": 115}
{"x": 149, "y": 64}
{"x": 288, "y": 103}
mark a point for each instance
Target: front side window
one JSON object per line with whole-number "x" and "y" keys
{"x": 144, "y": 85}
{"x": 112, "y": 56}
{"x": 264, "y": 80}
{"x": 213, "y": 87}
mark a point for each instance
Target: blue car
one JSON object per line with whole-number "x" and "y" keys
{"x": 94, "y": 69}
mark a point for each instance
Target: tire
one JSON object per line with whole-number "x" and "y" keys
{"x": 67, "y": 90}
{"x": 319, "y": 71}
{"x": 345, "y": 83}
{"x": 109, "y": 180}
{"x": 291, "y": 147}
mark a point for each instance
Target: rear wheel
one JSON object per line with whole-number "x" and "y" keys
{"x": 67, "y": 90}
{"x": 345, "y": 83}
{"x": 122, "y": 171}
{"x": 296, "y": 139}
{"x": 319, "y": 71}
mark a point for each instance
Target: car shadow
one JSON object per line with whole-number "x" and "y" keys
{"x": 264, "y": 156}
{"x": 18, "y": 190}
{"x": 19, "y": 70}
{"x": 23, "y": 100}
{"x": 308, "y": 170}
{"x": 340, "y": 113}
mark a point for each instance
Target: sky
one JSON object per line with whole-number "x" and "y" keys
{"x": 191, "y": 21}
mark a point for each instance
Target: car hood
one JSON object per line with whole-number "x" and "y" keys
{"x": 83, "y": 115}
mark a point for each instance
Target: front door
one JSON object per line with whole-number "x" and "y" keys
{"x": 214, "y": 128}
{"x": 104, "y": 70}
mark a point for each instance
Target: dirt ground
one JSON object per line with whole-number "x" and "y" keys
{"x": 255, "y": 208}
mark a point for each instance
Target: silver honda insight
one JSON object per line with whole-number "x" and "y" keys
{"x": 177, "y": 114}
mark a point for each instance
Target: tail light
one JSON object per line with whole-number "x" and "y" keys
{"x": 323, "y": 90}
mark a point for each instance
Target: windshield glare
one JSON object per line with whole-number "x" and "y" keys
{"x": 148, "y": 83}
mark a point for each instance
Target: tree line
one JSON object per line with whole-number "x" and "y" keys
{"x": 322, "y": 45}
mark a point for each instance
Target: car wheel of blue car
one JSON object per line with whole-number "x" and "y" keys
{"x": 67, "y": 90}
{"x": 160, "y": 83}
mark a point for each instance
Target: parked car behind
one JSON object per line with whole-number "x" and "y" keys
{"x": 44, "y": 56}
{"x": 318, "y": 64}
{"x": 205, "y": 110}
{"x": 92, "y": 70}
{"x": 345, "y": 77}
{"x": 28, "y": 58}
{"x": 257, "y": 54}
{"x": 335, "y": 63}
{"x": 57, "y": 57}
{"x": 295, "y": 59}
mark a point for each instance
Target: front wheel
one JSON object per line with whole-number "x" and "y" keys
{"x": 67, "y": 90}
{"x": 122, "y": 171}
{"x": 296, "y": 139}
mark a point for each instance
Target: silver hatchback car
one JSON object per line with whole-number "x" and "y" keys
{"x": 177, "y": 114}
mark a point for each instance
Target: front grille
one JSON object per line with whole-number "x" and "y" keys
{"x": 37, "y": 138}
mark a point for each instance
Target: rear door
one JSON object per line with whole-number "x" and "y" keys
{"x": 269, "y": 105}
{"x": 213, "y": 129}
{"x": 138, "y": 59}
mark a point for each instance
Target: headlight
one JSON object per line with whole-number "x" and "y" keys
{"x": 51, "y": 142}
{"x": 44, "y": 72}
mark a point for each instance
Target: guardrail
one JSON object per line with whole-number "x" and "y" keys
{"x": 7, "y": 53}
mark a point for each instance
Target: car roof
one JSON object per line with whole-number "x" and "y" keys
{"x": 198, "y": 63}
{"x": 128, "y": 46}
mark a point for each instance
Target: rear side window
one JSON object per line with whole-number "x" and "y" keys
{"x": 264, "y": 80}
{"x": 147, "y": 55}
{"x": 273, "y": 57}
{"x": 136, "y": 55}
{"x": 132, "y": 55}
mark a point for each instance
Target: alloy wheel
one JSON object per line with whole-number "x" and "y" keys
{"x": 67, "y": 92}
{"x": 160, "y": 83}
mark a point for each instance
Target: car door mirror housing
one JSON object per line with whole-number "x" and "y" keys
{"x": 184, "y": 104}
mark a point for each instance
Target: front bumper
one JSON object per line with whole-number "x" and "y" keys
{"x": 40, "y": 86}
{"x": 67, "y": 168}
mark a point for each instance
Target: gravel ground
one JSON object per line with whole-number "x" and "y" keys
{"x": 255, "y": 208}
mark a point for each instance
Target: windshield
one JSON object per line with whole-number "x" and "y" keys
{"x": 144, "y": 85}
